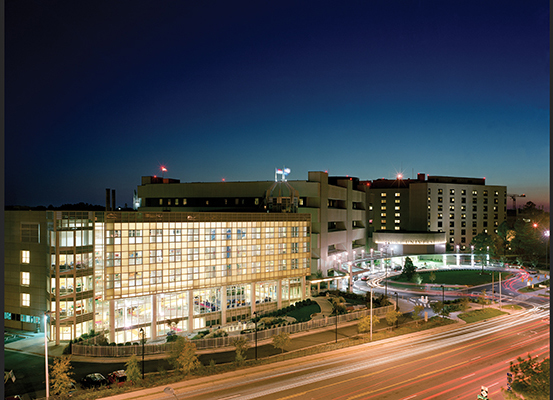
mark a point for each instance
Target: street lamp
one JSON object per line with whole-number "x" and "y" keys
{"x": 142, "y": 334}
{"x": 443, "y": 299}
{"x": 46, "y": 351}
{"x": 397, "y": 308}
{"x": 546, "y": 234}
{"x": 472, "y": 255}
{"x": 255, "y": 322}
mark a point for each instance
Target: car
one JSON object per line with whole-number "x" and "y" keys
{"x": 95, "y": 380}
{"x": 117, "y": 377}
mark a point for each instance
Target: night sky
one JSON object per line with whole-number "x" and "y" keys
{"x": 100, "y": 93}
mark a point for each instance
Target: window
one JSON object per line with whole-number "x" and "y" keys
{"x": 451, "y": 208}
{"x": 485, "y": 216}
{"x": 256, "y": 250}
{"x": 281, "y": 231}
{"x": 25, "y": 278}
{"x": 474, "y": 208}
{"x": 496, "y": 216}
{"x": 451, "y": 216}
{"x": 451, "y": 191}
{"x": 463, "y": 200}
{"x": 463, "y": 216}
{"x": 135, "y": 236}
{"x": 463, "y": 208}
{"x": 473, "y": 216}
{"x": 452, "y": 232}
{"x": 256, "y": 233}
{"x": 383, "y": 222}
{"x": 495, "y": 201}
{"x": 463, "y": 232}
{"x": 439, "y": 224}
{"x": 294, "y": 248}
{"x": 463, "y": 223}
{"x": 474, "y": 193}
{"x": 452, "y": 199}
{"x": 485, "y": 193}
{"x": 440, "y": 199}
{"x": 463, "y": 239}
{"x": 440, "y": 207}
{"x": 440, "y": 191}
{"x": 382, "y": 194}
{"x": 474, "y": 200}
{"x": 397, "y": 221}
{"x": 383, "y": 208}
{"x": 463, "y": 192}
{"x": 485, "y": 208}
{"x": 25, "y": 256}
{"x": 383, "y": 214}
{"x": 269, "y": 249}
{"x": 440, "y": 215}
{"x": 396, "y": 208}
{"x": 451, "y": 224}
{"x": 383, "y": 201}
{"x": 397, "y": 201}
{"x": 25, "y": 300}
{"x": 30, "y": 233}
{"x": 135, "y": 258}
{"x": 156, "y": 235}
{"x": 397, "y": 215}
{"x": 397, "y": 194}
{"x": 269, "y": 233}
{"x": 474, "y": 225}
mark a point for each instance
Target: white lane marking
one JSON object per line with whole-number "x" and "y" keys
{"x": 410, "y": 397}
{"x": 475, "y": 358}
{"x": 467, "y": 376}
{"x": 493, "y": 384}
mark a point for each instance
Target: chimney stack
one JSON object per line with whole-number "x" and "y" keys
{"x": 107, "y": 199}
{"x": 113, "y": 206}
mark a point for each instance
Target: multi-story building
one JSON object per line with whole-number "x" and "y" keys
{"x": 459, "y": 207}
{"x": 123, "y": 271}
{"x": 336, "y": 206}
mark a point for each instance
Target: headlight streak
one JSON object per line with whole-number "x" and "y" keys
{"x": 472, "y": 331}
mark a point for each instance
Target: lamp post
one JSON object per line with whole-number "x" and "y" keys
{"x": 336, "y": 316}
{"x": 371, "y": 314}
{"x": 397, "y": 308}
{"x": 142, "y": 334}
{"x": 546, "y": 233}
{"x": 255, "y": 322}
{"x": 46, "y": 351}
{"x": 443, "y": 300}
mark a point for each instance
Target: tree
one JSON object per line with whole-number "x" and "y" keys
{"x": 132, "y": 370}
{"x": 183, "y": 357}
{"x": 465, "y": 304}
{"x": 437, "y": 306}
{"x": 281, "y": 341}
{"x": 392, "y": 316}
{"x": 364, "y": 324}
{"x": 530, "y": 379}
{"x": 481, "y": 243}
{"x": 432, "y": 277}
{"x": 417, "y": 314}
{"x": 482, "y": 298}
{"x": 60, "y": 381}
{"x": 408, "y": 269}
{"x": 242, "y": 346}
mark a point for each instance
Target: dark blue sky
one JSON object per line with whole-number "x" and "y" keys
{"x": 100, "y": 93}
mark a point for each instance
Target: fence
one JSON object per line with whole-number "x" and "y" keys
{"x": 90, "y": 348}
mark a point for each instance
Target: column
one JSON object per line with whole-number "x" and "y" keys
{"x": 223, "y": 305}
{"x": 190, "y": 310}
{"x": 279, "y": 294}
{"x": 112, "y": 321}
{"x": 153, "y": 326}
{"x": 303, "y": 288}
{"x": 252, "y": 298}
{"x": 350, "y": 286}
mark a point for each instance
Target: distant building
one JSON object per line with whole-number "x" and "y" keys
{"x": 336, "y": 205}
{"x": 432, "y": 212}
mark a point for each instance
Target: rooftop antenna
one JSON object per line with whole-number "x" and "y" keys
{"x": 284, "y": 172}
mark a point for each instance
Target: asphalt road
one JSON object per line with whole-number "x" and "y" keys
{"x": 447, "y": 365}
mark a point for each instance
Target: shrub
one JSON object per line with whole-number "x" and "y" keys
{"x": 112, "y": 344}
{"x": 173, "y": 338}
{"x": 127, "y": 343}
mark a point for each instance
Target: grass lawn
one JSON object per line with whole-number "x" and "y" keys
{"x": 479, "y": 315}
{"x": 304, "y": 313}
{"x": 456, "y": 277}
{"x": 512, "y": 307}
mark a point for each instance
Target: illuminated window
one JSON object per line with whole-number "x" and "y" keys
{"x": 397, "y": 228}
{"x": 451, "y": 191}
{"x": 397, "y": 201}
{"x": 451, "y": 216}
{"x": 496, "y": 193}
{"x": 452, "y": 199}
{"x": 176, "y": 202}
{"x": 370, "y": 207}
{"x": 474, "y": 192}
{"x": 397, "y": 221}
{"x": 440, "y": 215}
{"x": 383, "y": 201}
{"x": 440, "y": 191}
{"x": 451, "y": 232}
{"x": 160, "y": 202}
{"x": 463, "y": 223}
{"x": 485, "y": 193}
{"x": 451, "y": 208}
{"x": 428, "y": 198}
{"x": 440, "y": 199}
{"x": 396, "y": 208}
{"x": 25, "y": 278}
{"x": 383, "y": 207}
{"x": 463, "y": 192}
{"x": 382, "y": 194}
{"x": 383, "y": 222}
{"x": 463, "y": 216}
{"x": 397, "y": 194}
{"x": 397, "y": 215}
{"x": 25, "y": 300}
{"x": 25, "y": 256}
{"x": 382, "y": 214}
